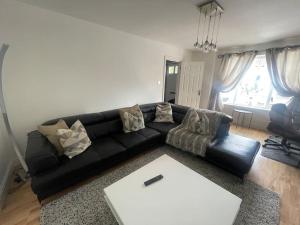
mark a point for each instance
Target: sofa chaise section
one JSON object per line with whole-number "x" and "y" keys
{"x": 233, "y": 153}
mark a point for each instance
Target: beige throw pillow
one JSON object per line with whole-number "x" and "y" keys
{"x": 74, "y": 140}
{"x": 164, "y": 113}
{"x": 49, "y": 131}
{"x": 198, "y": 124}
{"x": 132, "y": 118}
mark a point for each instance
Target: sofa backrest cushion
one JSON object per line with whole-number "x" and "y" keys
{"x": 96, "y": 124}
{"x": 178, "y": 112}
{"x": 148, "y": 112}
{"x": 107, "y": 122}
{"x": 85, "y": 119}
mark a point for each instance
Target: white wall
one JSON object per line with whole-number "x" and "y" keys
{"x": 209, "y": 68}
{"x": 58, "y": 65}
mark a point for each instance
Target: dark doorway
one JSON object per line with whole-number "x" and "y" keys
{"x": 172, "y": 71}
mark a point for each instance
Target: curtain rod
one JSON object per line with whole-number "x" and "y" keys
{"x": 277, "y": 48}
{"x": 235, "y": 53}
{"x": 286, "y": 47}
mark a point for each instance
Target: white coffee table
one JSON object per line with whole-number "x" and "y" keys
{"x": 182, "y": 197}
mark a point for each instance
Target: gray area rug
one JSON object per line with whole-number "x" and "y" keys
{"x": 281, "y": 156}
{"x": 86, "y": 205}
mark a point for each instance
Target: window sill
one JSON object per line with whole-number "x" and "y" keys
{"x": 248, "y": 107}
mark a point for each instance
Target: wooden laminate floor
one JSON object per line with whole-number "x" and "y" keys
{"x": 22, "y": 207}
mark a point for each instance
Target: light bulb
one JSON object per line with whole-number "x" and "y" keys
{"x": 196, "y": 45}
{"x": 206, "y": 44}
{"x": 201, "y": 47}
{"x": 215, "y": 48}
{"x": 206, "y": 49}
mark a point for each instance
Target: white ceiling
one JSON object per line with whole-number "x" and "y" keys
{"x": 245, "y": 22}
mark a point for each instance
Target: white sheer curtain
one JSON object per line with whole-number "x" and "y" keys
{"x": 284, "y": 69}
{"x": 230, "y": 72}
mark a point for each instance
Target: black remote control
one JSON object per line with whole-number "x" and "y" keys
{"x": 153, "y": 180}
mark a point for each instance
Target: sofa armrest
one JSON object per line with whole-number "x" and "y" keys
{"x": 227, "y": 119}
{"x": 223, "y": 129}
{"x": 40, "y": 154}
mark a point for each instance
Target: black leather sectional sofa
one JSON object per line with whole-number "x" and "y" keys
{"x": 51, "y": 173}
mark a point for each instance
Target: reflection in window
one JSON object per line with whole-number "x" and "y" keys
{"x": 276, "y": 98}
{"x": 171, "y": 70}
{"x": 255, "y": 88}
{"x": 176, "y": 69}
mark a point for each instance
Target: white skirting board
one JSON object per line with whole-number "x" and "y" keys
{"x": 4, "y": 185}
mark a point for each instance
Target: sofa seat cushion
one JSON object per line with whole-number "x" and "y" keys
{"x": 77, "y": 166}
{"x": 129, "y": 140}
{"x": 163, "y": 128}
{"x": 107, "y": 147}
{"x": 234, "y": 153}
{"x": 149, "y": 133}
{"x": 99, "y": 155}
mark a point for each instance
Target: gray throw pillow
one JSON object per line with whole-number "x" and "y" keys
{"x": 164, "y": 113}
{"x": 198, "y": 123}
{"x": 74, "y": 140}
{"x": 132, "y": 118}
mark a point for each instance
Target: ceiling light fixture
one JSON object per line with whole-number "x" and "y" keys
{"x": 210, "y": 13}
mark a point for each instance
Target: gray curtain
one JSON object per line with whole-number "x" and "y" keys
{"x": 284, "y": 69}
{"x": 231, "y": 70}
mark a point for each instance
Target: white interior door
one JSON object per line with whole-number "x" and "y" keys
{"x": 190, "y": 84}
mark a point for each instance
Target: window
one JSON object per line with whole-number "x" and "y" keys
{"x": 255, "y": 88}
{"x": 176, "y": 69}
{"x": 172, "y": 70}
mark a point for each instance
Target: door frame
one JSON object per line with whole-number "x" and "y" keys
{"x": 175, "y": 59}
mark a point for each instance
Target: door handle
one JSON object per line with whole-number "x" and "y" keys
{"x": 199, "y": 92}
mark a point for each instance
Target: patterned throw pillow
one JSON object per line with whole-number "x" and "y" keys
{"x": 74, "y": 140}
{"x": 164, "y": 113}
{"x": 49, "y": 131}
{"x": 198, "y": 124}
{"x": 132, "y": 119}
